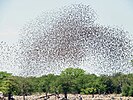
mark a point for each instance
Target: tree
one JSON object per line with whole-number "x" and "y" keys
{"x": 68, "y": 79}
{"x": 47, "y": 83}
{"x": 80, "y": 83}
{"x": 7, "y": 84}
{"x": 4, "y": 82}
{"x": 107, "y": 80}
{"x": 125, "y": 90}
{"x": 23, "y": 86}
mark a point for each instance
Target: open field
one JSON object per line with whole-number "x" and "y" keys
{"x": 76, "y": 97}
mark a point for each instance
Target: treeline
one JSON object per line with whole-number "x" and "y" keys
{"x": 71, "y": 80}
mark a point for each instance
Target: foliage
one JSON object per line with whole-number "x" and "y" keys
{"x": 5, "y": 82}
{"x": 71, "y": 80}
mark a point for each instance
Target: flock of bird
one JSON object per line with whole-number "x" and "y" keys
{"x": 71, "y": 37}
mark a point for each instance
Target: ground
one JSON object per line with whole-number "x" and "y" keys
{"x": 76, "y": 97}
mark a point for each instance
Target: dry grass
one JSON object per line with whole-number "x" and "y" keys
{"x": 76, "y": 97}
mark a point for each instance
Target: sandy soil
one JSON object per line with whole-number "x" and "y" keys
{"x": 76, "y": 97}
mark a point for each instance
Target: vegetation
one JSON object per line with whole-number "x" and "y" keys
{"x": 71, "y": 80}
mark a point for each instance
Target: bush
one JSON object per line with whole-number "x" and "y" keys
{"x": 131, "y": 91}
{"x": 125, "y": 90}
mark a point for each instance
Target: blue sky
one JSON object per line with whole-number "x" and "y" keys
{"x": 14, "y": 14}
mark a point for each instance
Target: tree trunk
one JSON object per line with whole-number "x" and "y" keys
{"x": 93, "y": 95}
{"x": 65, "y": 94}
{"x": 9, "y": 96}
{"x": 23, "y": 96}
{"x": 46, "y": 96}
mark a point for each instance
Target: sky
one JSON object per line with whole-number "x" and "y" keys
{"x": 14, "y": 14}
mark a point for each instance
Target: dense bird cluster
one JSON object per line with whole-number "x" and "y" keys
{"x": 71, "y": 37}
{"x": 8, "y": 57}
{"x": 4, "y": 54}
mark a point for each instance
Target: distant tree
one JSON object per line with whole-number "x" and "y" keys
{"x": 47, "y": 83}
{"x": 131, "y": 91}
{"x": 68, "y": 77}
{"x": 5, "y": 82}
{"x": 125, "y": 90}
{"x": 23, "y": 86}
{"x": 80, "y": 83}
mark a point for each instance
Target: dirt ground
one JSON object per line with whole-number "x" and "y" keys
{"x": 76, "y": 97}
